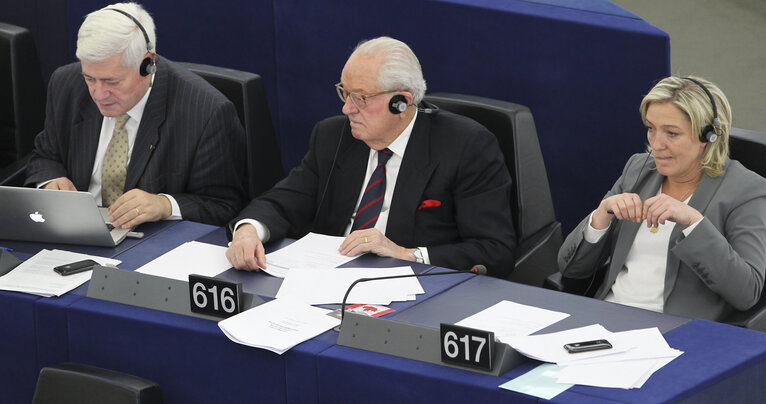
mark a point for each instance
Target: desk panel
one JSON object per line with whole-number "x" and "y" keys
{"x": 18, "y": 354}
{"x": 190, "y": 358}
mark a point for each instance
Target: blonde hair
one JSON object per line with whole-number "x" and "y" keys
{"x": 693, "y": 101}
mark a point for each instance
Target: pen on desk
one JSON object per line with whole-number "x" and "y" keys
{"x": 6, "y": 248}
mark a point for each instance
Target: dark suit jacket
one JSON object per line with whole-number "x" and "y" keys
{"x": 719, "y": 267}
{"x": 190, "y": 143}
{"x": 449, "y": 158}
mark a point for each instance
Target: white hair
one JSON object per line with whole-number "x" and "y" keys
{"x": 400, "y": 69}
{"x": 106, "y": 32}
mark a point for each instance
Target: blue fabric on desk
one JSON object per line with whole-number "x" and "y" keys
{"x": 190, "y": 358}
{"x": 350, "y": 375}
{"x": 708, "y": 347}
{"x": 18, "y": 350}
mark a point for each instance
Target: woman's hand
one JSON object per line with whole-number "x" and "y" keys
{"x": 660, "y": 208}
{"x": 625, "y": 206}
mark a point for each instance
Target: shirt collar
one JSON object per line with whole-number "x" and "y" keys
{"x": 400, "y": 143}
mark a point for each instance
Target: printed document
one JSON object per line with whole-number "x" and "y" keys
{"x": 311, "y": 251}
{"x": 277, "y": 325}
{"x": 508, "y": 319}
{"x": 188, "y": 258}
{"x": 36, "y": 275}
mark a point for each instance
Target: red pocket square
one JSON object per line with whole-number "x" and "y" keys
{"x": 429, "y": 203}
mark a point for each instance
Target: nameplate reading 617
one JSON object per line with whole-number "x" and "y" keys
{"x": 465, "y": 346}
{"x": 214, "y": 296}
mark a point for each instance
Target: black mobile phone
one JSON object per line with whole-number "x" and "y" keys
{"x": 585, "y": 346}
{"x": 75, "y": 267}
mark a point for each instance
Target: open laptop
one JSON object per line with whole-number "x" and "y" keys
{"x": 67, "y": 217}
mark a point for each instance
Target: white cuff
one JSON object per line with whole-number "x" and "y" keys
{"x": 424, "y": 251}
{"x": 263, "y": 232}
{"x": 691, "y": 227}
{"x": 175, "y": 210}
{"x": 591, "y": 234}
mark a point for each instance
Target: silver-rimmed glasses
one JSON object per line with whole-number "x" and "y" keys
{"x": 359, "y": 100}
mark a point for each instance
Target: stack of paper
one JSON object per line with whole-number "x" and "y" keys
{"x": 36, "y": 275}
{"x": 508, "y": 319}
{"x": 277, "y": 325}
{"x": 329, "y": 285}
{"x": 311, "y": 251}
{"x": 635, "y": 355}
{"x": 189, "y": 258}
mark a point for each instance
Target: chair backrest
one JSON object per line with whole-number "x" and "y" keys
{"x": 246, "y": 91}
{"x": 22, "y": 112}
{"x": 514, "y": 127}
{"x": 749, "y": 148}
{"x": 67, "y": 383}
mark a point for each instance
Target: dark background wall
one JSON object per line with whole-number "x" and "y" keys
{"x": 582, "y": 66}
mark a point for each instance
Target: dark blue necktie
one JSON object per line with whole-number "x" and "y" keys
{"x": 372, "y": 199}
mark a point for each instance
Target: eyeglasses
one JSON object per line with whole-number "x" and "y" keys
{"x": 359, "y": 100}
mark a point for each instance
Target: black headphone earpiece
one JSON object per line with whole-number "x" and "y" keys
{"x": 147, "y": 65}
{"x": 709, "y": 133}
{"x": 398, "y": 104}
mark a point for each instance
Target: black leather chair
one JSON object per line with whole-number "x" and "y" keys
{"x": 75, "y": 383}
{"x": 749, "y": 148}
{"x": 246, "y": 91}
{"x": 537, "y": 231}
{"x": 22, "y": 112}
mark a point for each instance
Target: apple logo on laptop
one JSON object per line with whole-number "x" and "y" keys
{"x": 37, "y": 217}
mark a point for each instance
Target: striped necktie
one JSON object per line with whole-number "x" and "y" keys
{"x": 372, "y": 199}
{"x": 115, "y": 164}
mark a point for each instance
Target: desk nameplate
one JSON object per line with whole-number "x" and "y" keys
{"x": 149, "y": 291}
{"x": 413, "y": 342}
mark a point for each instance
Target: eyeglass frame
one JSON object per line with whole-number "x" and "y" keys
{"x": 340, "y": 90}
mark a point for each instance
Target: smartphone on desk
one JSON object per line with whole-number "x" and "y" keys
{"x": 586, "y": 346}
{"x": 75, "y": 267}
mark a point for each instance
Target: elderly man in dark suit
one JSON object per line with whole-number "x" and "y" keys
{"x": 397, "y": 177}
{"x": 146, "y": 137}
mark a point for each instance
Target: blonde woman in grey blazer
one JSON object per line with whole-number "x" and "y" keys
{"x": 683, "y": 230}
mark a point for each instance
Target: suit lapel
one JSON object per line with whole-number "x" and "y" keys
{"x": 700, "y": 201}
{"x": 148, "y": 135}
{"x": 85, "y": 137}
{"x": 346, "y": 184}
{"x": 627, "y": 232}
{"x": 414, "y": 174}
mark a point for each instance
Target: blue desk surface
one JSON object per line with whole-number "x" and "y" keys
{"x": 194, "y": 362}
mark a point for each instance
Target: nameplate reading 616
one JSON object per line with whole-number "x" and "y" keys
{"x": 465, "y": 346}
{"x": 214, "y": 296}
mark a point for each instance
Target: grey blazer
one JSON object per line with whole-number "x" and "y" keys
{"x": 189, "y": 144}
{"x": 718, "y": 268}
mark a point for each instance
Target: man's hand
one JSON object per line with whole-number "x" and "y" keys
{"x": 60, "y": 183}
{"x": 246, "y": 250}
{"x": 373, "y": 241}
{"x": 136, "y": 206}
